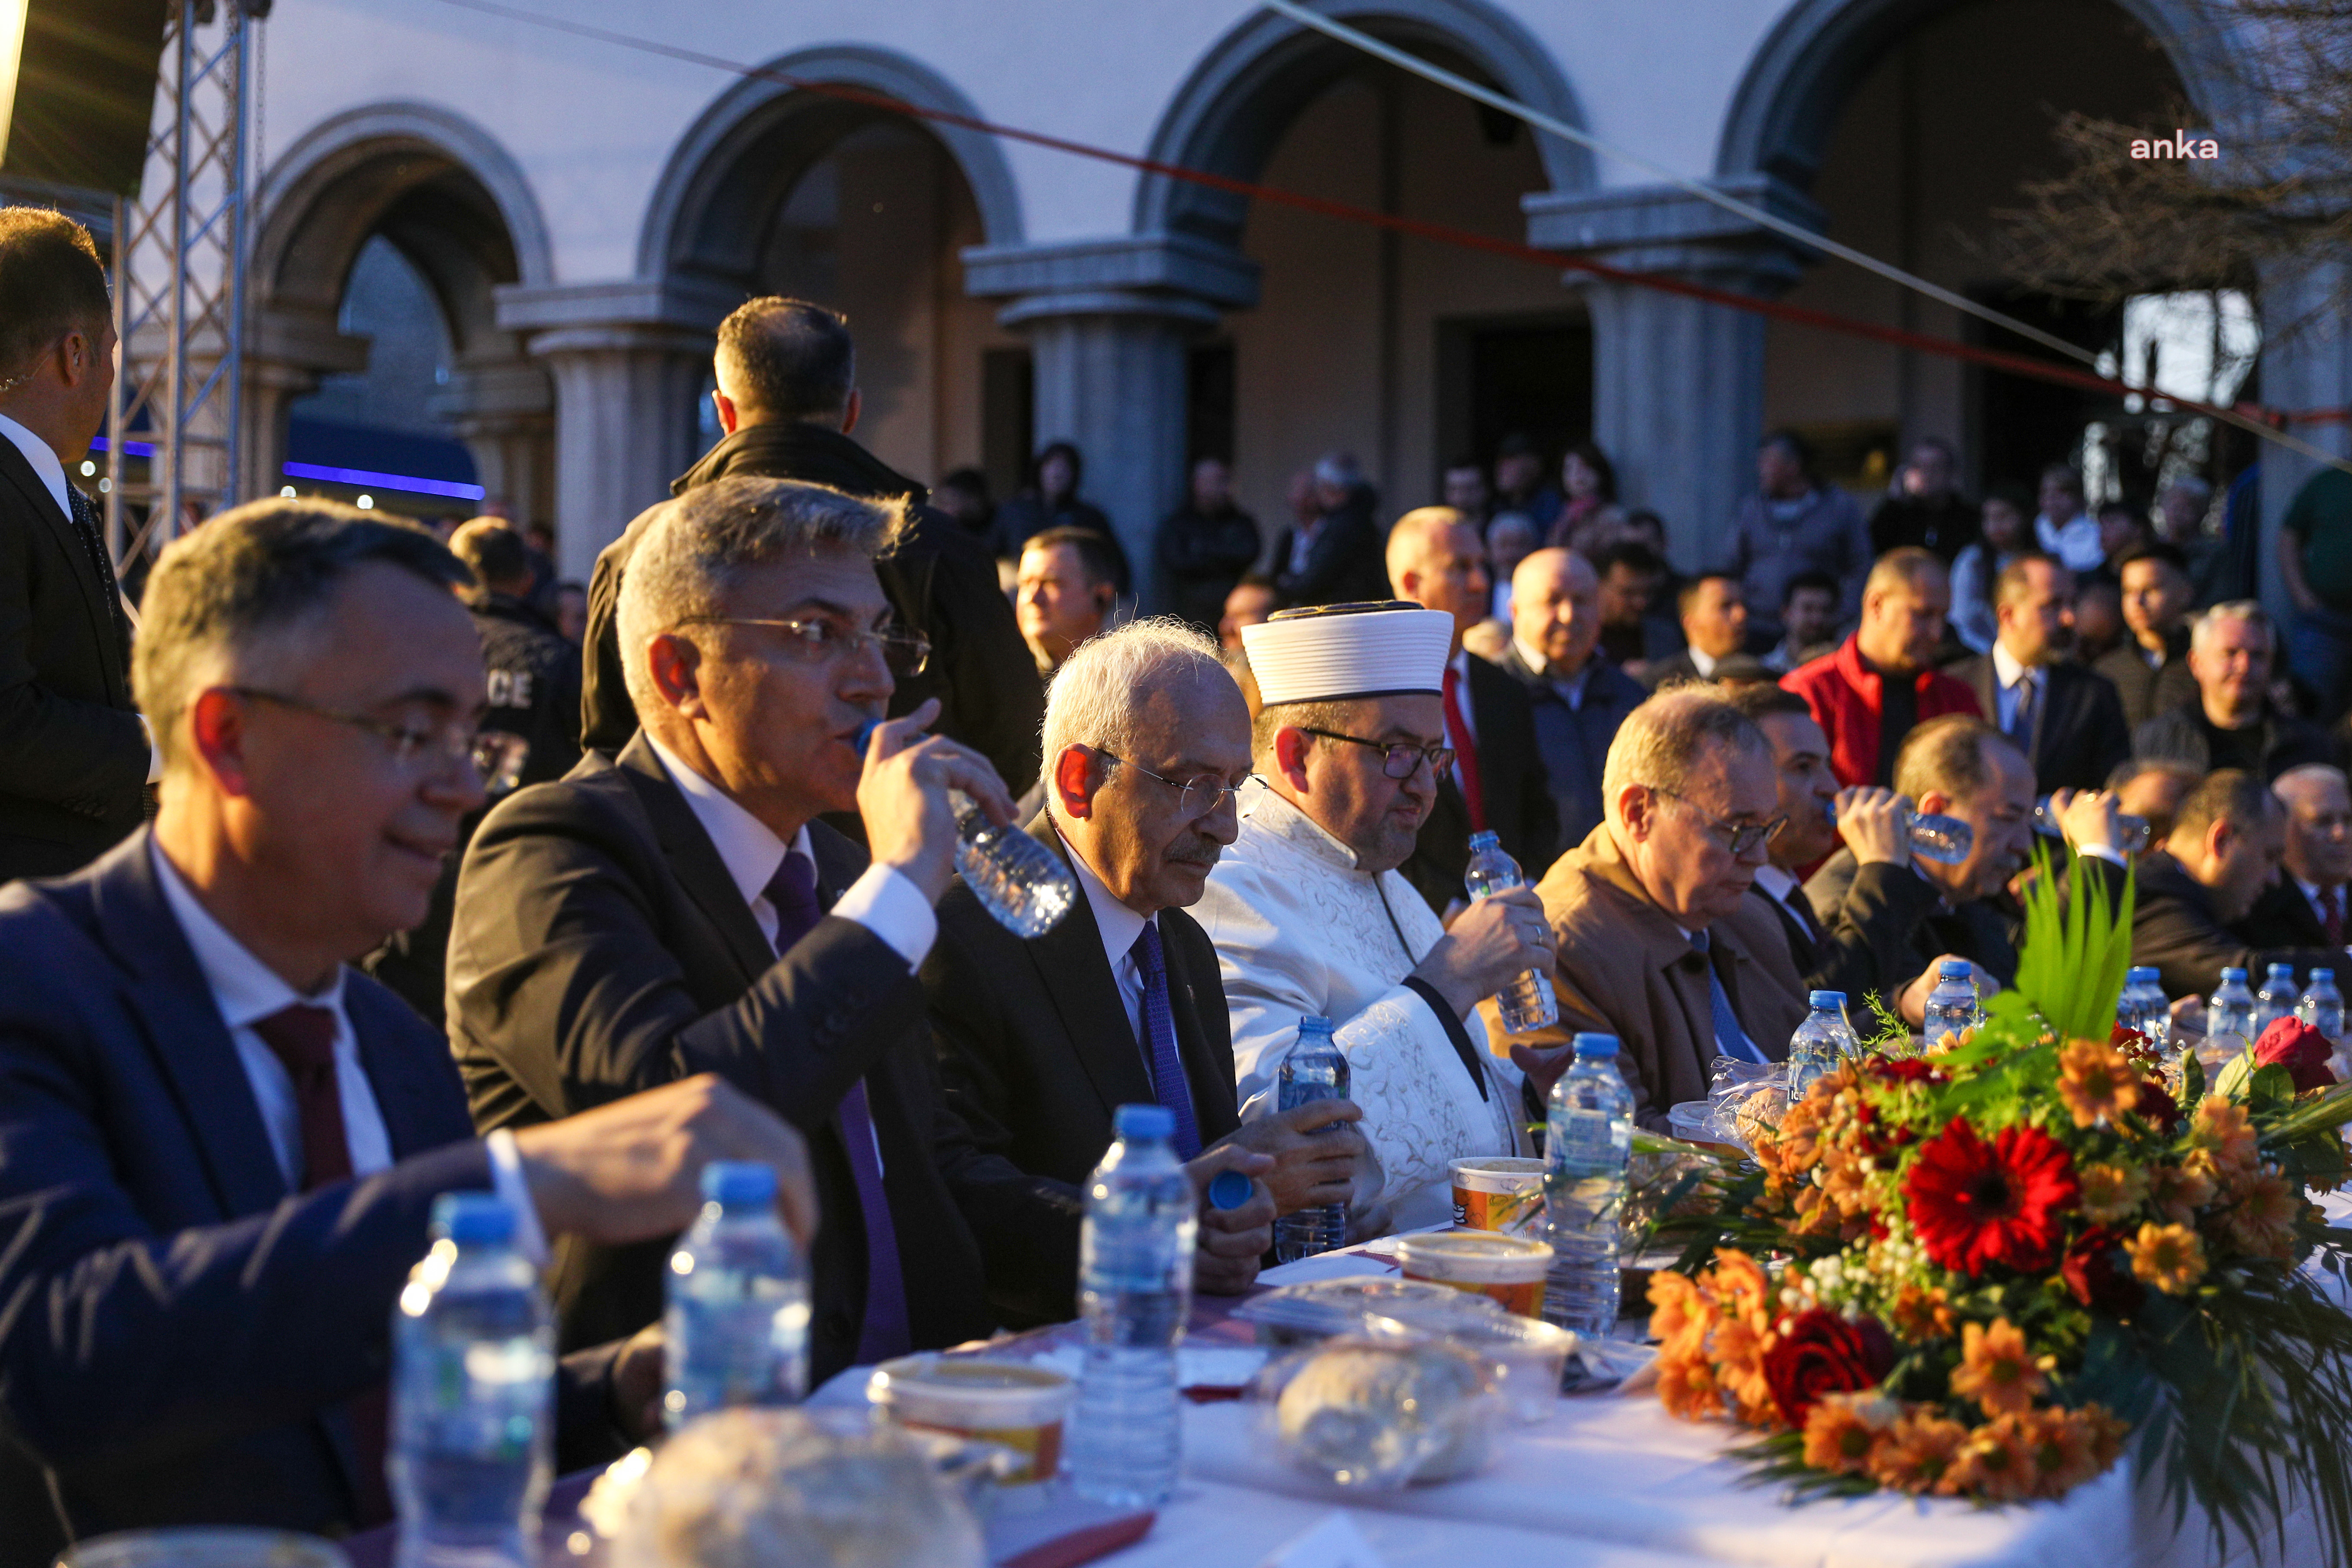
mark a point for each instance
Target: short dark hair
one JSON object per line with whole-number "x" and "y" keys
{"x": 51, "y": 283}
{"x": 1095, "y": 558}
{"x": 2065, "y": 473}
{"x": 1812, "y": 577}
{"x": 1687, "y": 595}
{"x": 796, "y": 359}
{"x": 255, "y": 570}
{"x": 1948, "y": 754}
{"x": 1761, "y": 699}
{"x": 2011, "y": 584}
{"x": 1464, "y": 460}
{"x": 2171, "y": 554}
{"x": 491, "y": 550}
{"x": 2230, "y": 794}
{"x": 1594, "y": 457}
{"x": 1796, "y": 445}
{"x": 1629, "y": 552}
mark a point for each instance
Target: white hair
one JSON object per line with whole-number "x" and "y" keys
{"x": 696, "y": 547}
{"x": 2208, "y": 626}
{"x": 1096, "y": 693}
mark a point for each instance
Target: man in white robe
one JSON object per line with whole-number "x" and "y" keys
{"x": 1309, "y": 916}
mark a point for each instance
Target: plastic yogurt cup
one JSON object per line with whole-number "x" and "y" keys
{"x": 1020, "y": 1406}
{"x": 1499, "y": 1192}
{"x": 1509, "y": 1269}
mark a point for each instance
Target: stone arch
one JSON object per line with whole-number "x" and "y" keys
{"x": 457, "y": 207}
{"x": 1235, "y": 106}
{"x": 744, "y": 154}
{"x": 1789, "y": 97}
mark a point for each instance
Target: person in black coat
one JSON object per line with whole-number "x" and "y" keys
{"x": 1204, "y": 546}
{"x": 2067, "y": 720}
{"x": 75, "y": 760}
{"x": 1576, "y": 697}
{"x": 1120, "y": 1002}
{"x": 219, "y": 1149}
{"x": 787, "y": 400}
{"x": 676, "y": 910}
{"x": 1051, "y": 501}
{"x": 2232, "y": 722}
{"x": 1335, "y": 559}
{"x": 2306, "y": 907}
{"x": 2150, "y": 670}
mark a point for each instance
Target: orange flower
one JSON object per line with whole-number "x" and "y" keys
{"x": 2225, "y": 1133}
{"x": 1996, "y": 1369}
{"x": 1843, "y": 1430}
{"x": 1921, "y": 1453}
{"x": 2262, "y": 1221}
{"x": 2178, "y": 1193}
{"x": 1996, "y": 1463}
{"x": 2111, "y": 1193}
{"x": 1674, "y": 1303}
{"x": 1921, "y": 1312}
{"x": 1739, "y": 1286}
{"x": 1686, "y": 1382}
{"x": 2095, "y": 1081}
{"x": 2169, "y": 1256}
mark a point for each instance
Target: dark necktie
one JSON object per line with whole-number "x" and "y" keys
{"x": 1160, "y": 1037}
{"x": 1730, "y": 1039}
{"x": 91, "y": 531}
{"x": 1802, "y": 907}
{"x": 1465, "y": 754}
{"x": 2331, "y": 914}
{"x": 2020, "y": 722}
{"x": 303, "y": 1038}
{"x": 792, "y": 893}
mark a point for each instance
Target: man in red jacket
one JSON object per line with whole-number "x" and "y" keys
{"x": 1878, "y": 685}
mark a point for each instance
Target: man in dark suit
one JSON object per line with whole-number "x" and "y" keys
{"x": 677, "y": 908}
{"x": 2067, "y": 720}
{"x": 1576, "y": 696}
{"x": 787, "y": 398}
{"x": 2306, "y": 907}
{"x": 219, "y": 1148}
{"x": 1713, "y": 608}
{"x": 1333, "y": 556}
{"x": 1497, "y": 782}
{"x": 74, "y": 757}
{"x": 1147, "y": 738}
{"x": 2150, "y": 669}
{"x": 2224, "y": 849}
{"x": 1863, "y": 944}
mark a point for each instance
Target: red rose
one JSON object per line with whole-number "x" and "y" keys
{"x": 2158, "y": 1108}
{"x": 1819, "y": 1352}
{"x": 2301, "y": 1049}
{"x": 2097, "y": 1272}
{"x": 2123, "y": 1038}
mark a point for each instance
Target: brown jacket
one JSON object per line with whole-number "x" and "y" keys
{"x": 1626, "y": 969}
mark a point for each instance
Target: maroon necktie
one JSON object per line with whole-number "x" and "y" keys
{"x": 1465, "y": 755}
{"x": 303, "y": 1038}
{"x": 2331, "y": 914}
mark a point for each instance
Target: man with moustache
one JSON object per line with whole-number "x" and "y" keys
{"x": 1658, "y": 941}
{"x": 1309, "y": 917}
{"x": 1147, "y": 742}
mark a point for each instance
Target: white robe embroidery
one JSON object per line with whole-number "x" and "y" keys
{"x": 1299, "y": 931}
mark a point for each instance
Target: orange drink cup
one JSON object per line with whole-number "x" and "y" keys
{"x": 1509, "y": 1269}
{"x": 1021, "y": 1407}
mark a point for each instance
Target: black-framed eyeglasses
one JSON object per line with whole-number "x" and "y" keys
{"x": 1402, "y": 758}
{"x": 1740, "y": 836}
{"x": 819, "y": 641}
{"x": 412, "y": 746}
{"x": 1195, "y": 797}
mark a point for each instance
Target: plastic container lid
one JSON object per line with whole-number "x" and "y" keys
{"x": 1144, "y": 1121}
{"x": 1341, "y": 1306}
{"x": 743, "y": 1182}
{"x": 473, "y": 1219}
{"x": 1952, "y": 969}
{"x": 1229, "y": 1190}
{"x": 1474, "y": 1258}
{"x": 1829, "y": 998}
{"x": 1595, "y": 1045}
{"x": 971, "y": 1393}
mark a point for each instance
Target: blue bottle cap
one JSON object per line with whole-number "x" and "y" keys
{"x": 1144, "y": 1121}
{"x": 864, "y": 733}
{"x": 742, "y": 1181}
{"x": 2281, "y": 971}
{"x": 2319, "y": 975}
{"x": 1952, "y": 969}
{"x": 1486, "y": 840}
{"x": 473, "y": 1219}
{"x": 1829, "y": 998}
{"x": 1313, "y": 1024}
{"x": 1229, "y": 1190}
{"x": 2232, "y": 973}
{"x": 2138, "y": 973}
{"x": 1595, "y": 1045}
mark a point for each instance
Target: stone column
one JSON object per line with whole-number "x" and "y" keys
{"x": 1110, "y": 324}
{"x": 504, "y": 412}
{"x": 287, "y": 350}
{"x": 1677, "y": 383}
{"x": 2306, "y": 364}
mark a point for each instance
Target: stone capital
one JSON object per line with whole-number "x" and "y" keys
{"x": 682, "y": 303}
{"x": 1175, "y": 275}
{"x": 1665, "y": 228}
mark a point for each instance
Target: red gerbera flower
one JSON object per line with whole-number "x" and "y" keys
{"x": 1975, "y": 1203}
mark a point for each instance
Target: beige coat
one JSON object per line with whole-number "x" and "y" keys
{"x": 1626, "y": 969}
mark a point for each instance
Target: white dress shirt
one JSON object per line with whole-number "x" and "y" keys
{"x": 245, "y": 989}
{"x": 2010, "y": 675}
{"x": 1121, "y": 928}
{"x": 1702, "y": 662}
{"x": 2076, "y": 542}
{"x": 1778, "y": 884}
{"x": 44, "y": 459}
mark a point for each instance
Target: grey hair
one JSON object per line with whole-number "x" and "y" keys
{"x": 2202, "y": 629}
{"x": 1096, "y": 693}
{"x": 697, "y": 547}
{"x": 1663, "y": 741}
{"x": 238, "y": 601}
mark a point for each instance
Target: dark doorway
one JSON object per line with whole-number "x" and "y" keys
{"x": 1209, "y": 403}
{"x": 1528, "y": 375}
{"x": 2023, "y": 425}
{"x": 1008, "y": 418}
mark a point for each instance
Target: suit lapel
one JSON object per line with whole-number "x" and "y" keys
{"x": 1073, "y": 969}
{"x": 421, "y": 1098}
{"x": 184, "y": 1031}
{"x": 61, "y": 531}
{"x": 1209, "y": 1071}
{"x": 1498, "y": 761}
{"x": 694, "y": 859}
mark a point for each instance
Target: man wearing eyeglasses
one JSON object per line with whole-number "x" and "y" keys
{"x": 1310, "y": 916}
{"x": 1147, "y": 740}
{"x": 677, "y": 908}
{"x": 1659, "y": 943}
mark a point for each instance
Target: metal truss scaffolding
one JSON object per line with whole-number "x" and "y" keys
{"x": 179, "y": 287}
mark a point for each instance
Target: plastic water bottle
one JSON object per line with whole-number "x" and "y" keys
{"x": 1821, "y": 1042}
{"x": 2321, "y": 1005}
{"x": 2276, "y": 1000}
{"x": 472, "y": 1393}
{"x": 1588, "y": 1146}
{"x": 1135, "y": 1288}
{"x": 1527, "y": 1003}
{"x": 2143, "y": 983}
{"x": 1946, "y": 840}
{"x": 1314, "y": 1069}
{"x": 736, "y": 1328}
{"x": 2131, "y": 831}
{"x": 2229, "y": 1018}
{"x": 1951, "y": 1009}
{"x": 1020, "y": 882}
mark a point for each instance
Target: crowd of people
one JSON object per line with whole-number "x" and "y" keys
{"x": 342, "y": 876}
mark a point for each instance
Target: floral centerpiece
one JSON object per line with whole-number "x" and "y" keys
{"x": 1985, "y": 1271}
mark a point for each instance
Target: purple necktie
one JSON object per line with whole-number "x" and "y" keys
{"x": 793, "y": 892}
{"x": 1167, "y": 1067}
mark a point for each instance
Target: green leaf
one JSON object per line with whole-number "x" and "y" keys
{"x": 2271, "y": 1090}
